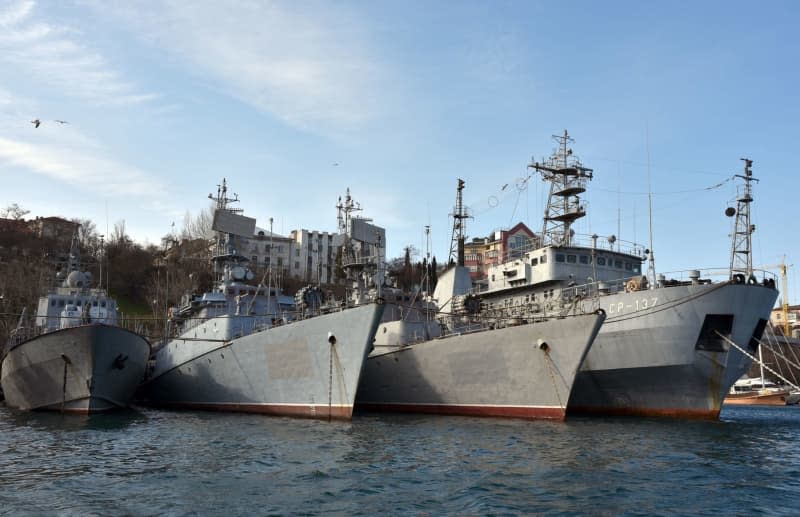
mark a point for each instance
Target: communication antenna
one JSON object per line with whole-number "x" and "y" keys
{"x": 741, "y": 251}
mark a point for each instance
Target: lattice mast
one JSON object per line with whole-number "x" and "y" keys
{"x": 567, "y": 178}
{"x": 741, "y": 251}
{"x": 459, "y": 227}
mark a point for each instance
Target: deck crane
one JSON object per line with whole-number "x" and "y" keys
{"x": 787, "y": 329}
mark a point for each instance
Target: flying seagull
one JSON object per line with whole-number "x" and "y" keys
{"x": 335, "y": 164}
{"x": 61, "y": 121}
{"x": 35, "y": 122}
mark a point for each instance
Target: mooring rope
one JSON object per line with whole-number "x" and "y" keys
{"x": 548, "y": 361}
{"x": 742, "y": 350}
{"x": 64, "y": 382}
{"x": 330, "y": 379}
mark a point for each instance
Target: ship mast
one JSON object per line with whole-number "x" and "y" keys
{"x": 459, "y": 228}
{"x": 741, "y": 252}
{"x": 345, "y": 209}
{"x": 567, "y": 178}
{"x": 224, "y": 246}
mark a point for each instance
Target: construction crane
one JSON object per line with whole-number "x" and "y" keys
{"x": 787, "y": 328}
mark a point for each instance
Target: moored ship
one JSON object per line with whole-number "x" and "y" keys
{"x": 236, "y": 348}
{"x": 663, "y": 349}
{"x": 441, "y": 359}
{"x": 75, "y": 358}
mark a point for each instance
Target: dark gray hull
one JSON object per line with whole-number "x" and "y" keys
{"x": 86, "y": 369}
{"x": 501, "y": 373}
{"x": 650, "y": 359}
{"x": 290, "y": 370}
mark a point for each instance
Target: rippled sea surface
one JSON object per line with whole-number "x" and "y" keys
{"x": 153, "y": 462}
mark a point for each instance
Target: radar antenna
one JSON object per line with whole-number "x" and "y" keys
{"x": 567, "y": 178}
{"x": 741, "y": 252}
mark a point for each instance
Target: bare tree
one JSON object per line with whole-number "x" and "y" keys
{"x": 14, "y": 211}
{"x": 198, "y": 227}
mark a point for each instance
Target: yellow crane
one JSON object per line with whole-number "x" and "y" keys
{"x": 787, "y": 329}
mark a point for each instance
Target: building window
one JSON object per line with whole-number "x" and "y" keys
{"x": 254, "y": 258}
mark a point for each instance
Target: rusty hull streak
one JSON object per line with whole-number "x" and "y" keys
{"x": 530, "y": 413}
{"x": 694, "y": 414}
{"x": 299, "y": 410}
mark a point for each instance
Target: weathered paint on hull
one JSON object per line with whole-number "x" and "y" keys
{"x": 646, "y": 362}
{"x": 289, "y": 370}
{"x": 500, "y": 373}
{"x": 75, "y": 370}
{"x": 533, "y": 413}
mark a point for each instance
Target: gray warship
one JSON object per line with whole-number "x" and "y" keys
{"x": 664, "y": 349}
{"x": 433, "y": 356}
{"x": 236, "y": 348}
{"x": 74, "y": 358}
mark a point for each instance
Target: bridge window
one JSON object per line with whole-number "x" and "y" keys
{"x": 584, "y": 259}
{"x": 534, "y": 261}
{"x": 628, "y": 266}
{"x": 572, "y": 259}
{"x": 601, "y": 261}
{"x": 618, "y": 264}
{"x": 543, "y": 260}
{"x": 559, "y": 257}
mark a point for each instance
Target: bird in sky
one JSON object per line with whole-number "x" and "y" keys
{"x": 335, "y": 164}
{"x": 35, "y": 122}
{"x": 61, "y": 121}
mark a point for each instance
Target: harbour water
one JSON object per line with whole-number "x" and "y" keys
{"x": 153, "y": 462}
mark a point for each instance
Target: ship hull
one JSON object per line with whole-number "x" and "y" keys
{"x": 658, "y": 353}
{"x": 497, "y": 373}
{"x": 290, "y": 370}
{"x": 85, "y": 369}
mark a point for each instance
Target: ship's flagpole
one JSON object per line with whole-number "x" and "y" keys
{"x": 651, "y": 267}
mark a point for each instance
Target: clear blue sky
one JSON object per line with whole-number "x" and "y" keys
{"x": 163, "y": 99}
